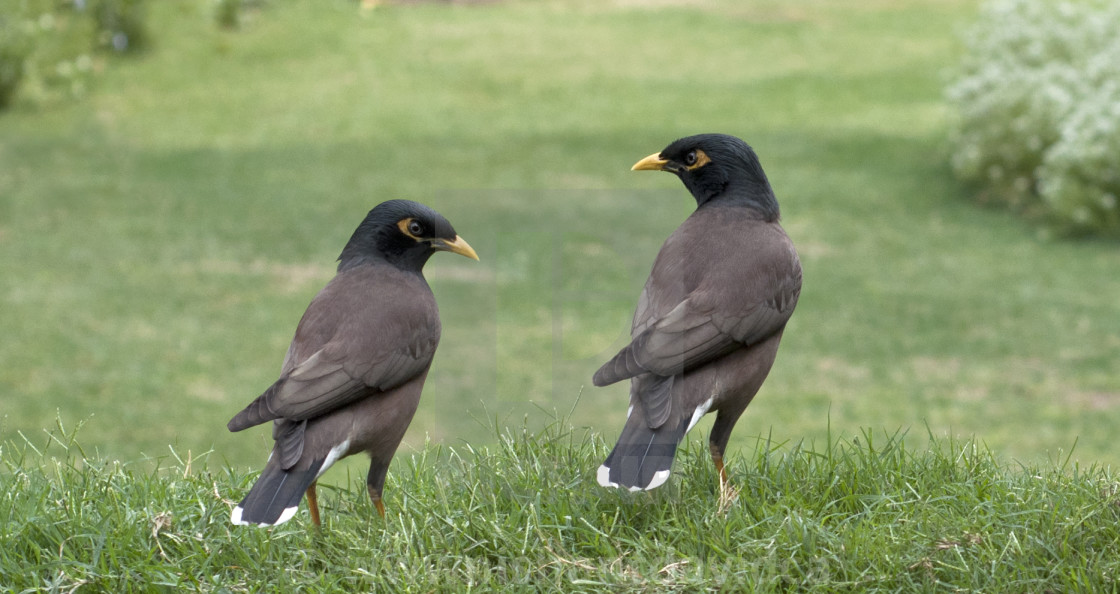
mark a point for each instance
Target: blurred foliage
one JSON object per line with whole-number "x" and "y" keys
{"x": 1038, "y": 104}
{"x": 49, "y": 48}
{"x": 233, "y": 14}
{"x": 46, "y": 47}
{"x": 120, "y": 23}
{"x": 227, "y": 13}
{"x": 14, "y": 48}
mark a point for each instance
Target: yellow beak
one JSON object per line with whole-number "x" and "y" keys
{"x": 455, "y": 246}
{"x": 653, "y": 162}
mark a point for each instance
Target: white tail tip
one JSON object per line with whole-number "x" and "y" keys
{"x": 659, "y": 479}
{"x": 604, "y": 478}
{"x": 235, "y": 517}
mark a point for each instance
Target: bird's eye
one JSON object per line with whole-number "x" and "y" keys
{"x": 690, "y": 158}
{"x": 415, "y": 228}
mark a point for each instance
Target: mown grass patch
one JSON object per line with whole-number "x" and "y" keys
{"x": 163, "y": 235}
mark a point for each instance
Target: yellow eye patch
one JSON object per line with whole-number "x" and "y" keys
{"x": 406, "y": 226}
{"x": 702, "y": 159}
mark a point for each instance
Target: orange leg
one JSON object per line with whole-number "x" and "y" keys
{"x": 717, "y": 459}
{"x": 375, "y": 497}
{"x": 313, "y": 505}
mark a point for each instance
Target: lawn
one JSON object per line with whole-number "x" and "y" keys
{"x": 162, "y": 236}
{"x": 870, "y": 513}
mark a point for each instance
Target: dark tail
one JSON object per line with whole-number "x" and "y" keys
{"x": 643, "y": 457}
{"x": 274, "y": 499}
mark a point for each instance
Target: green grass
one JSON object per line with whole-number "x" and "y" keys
{"x": 162, "y": 237}
{"x": 865, "y": 514}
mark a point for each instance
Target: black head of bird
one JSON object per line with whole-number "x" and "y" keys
{"x": 717, "y": 168}
{"x": 352, "y": 378}
{"x": 403, "y": 233}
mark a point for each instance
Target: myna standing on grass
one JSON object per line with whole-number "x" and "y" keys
{"x": 709, "y": 320}
{"x": 352, "y": 377}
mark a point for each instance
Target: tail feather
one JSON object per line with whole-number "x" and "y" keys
{"x": 275, "y": 497}
{"x": 643, "y": 457}
{"x": 289, "y": 441}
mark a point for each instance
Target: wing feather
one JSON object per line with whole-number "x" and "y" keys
{"x": 704, "y": 326}
{"x": 369, "y": 338}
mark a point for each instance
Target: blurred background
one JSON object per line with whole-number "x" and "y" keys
{"x": 177, "y": 178}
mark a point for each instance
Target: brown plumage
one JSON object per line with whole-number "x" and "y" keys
{"x": 708, "y": 323}
{"x": 352, "y": 377}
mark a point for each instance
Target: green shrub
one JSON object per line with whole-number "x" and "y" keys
{"x": 48, "y": 47}
{"x": 120, "y": 24}
{"x": 1038, "y": 123}
{"x": 14, "y": 49}
{"x": 233, "y": 14}
{"x": 227, "y": 13}
{"x": 54, "y": 43}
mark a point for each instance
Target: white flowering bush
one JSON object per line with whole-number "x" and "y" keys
{"x": 1037, "y": 103}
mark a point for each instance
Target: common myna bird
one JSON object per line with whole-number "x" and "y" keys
{"x": 708, "y": 323}
{"x": 352, "y": 377}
